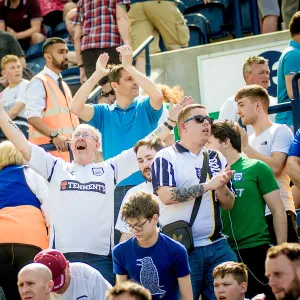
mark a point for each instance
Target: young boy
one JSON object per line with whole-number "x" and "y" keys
{"x": 230, "y": 281}
{"x": 150, "y": 258}
{"x": 13, "y": 96}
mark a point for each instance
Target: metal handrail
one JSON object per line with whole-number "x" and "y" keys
{"x": 51, "y": 147}
{"x": 136, "y": 53}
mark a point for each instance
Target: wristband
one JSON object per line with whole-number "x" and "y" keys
{"x": 80, "y": 66}
{"x": 171, "y": 120}
{"x": 168, "y": 126}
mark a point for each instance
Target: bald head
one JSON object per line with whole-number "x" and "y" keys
{"x": 35, "y": 281}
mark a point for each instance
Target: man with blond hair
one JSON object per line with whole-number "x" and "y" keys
{"x": 269, "y": 143}
{"x": 176, "y": 173}
{"x": 255, "y": 71}
{"x": 35, "y": 282}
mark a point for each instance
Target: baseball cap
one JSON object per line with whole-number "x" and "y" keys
{"x": 57, "y": 263}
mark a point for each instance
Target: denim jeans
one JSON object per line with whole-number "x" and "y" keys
{"x": 101, "y": 263}
{"x": 202, "y": 262}
{"x": 119, "y": 195}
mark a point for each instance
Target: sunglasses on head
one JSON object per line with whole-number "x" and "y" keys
{"x": 200, "y": 119}
{"x": 103, "y": 94}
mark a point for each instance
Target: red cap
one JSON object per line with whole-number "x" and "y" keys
{"x": 57, "y": 263}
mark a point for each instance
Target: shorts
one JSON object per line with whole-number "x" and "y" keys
{"x": 268, "y": 8}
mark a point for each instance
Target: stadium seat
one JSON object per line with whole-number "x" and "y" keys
{"x": 199, "y": 29}
{"x": 215, "y": 12}
{"x": 72, "y": 77}
{"x": 35, "y": 57}
{"x": 61, "y": 30}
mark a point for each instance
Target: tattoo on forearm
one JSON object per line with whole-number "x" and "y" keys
{"x": 227, "y": 194}
{"x": 187, "y": 193}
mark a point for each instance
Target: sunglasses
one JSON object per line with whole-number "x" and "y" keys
{"x": 200, "y": 119}
{"x": 103, "y": 94}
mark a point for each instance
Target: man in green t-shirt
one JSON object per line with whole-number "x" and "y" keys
{"x": 245, "y": 225}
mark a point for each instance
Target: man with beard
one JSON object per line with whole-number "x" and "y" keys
{"x": 145, "y": 151}
{"x": 48, "y": 99}
{"x": 283, "y": 271}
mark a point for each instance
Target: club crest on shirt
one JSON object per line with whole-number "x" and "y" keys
{"x": 198, "y": 172}
{"x": 238, "y": 176}
{"x": 97, "y": 171}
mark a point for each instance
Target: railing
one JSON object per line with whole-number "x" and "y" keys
{"x": 293, "y": 105}
{"x": 51, "y": 147}
{"x": 144, "y": 46}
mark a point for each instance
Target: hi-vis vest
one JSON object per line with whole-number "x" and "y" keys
{"x": 56, "y": 115}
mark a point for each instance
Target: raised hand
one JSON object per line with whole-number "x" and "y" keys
{"x": 126, "y": 55}
{"x": 220, "y": 180}
{"x": 174, "y": 110}
{"x": 102, "y": 63}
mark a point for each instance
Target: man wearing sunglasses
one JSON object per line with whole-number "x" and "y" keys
{"x": 107, "y": 95}
{"x": 82, "y": 192}
{"x": 176, "y": 173}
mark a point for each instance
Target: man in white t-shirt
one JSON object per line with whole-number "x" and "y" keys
{"x": 145, "y": 151}
{"x": 82, "y": 192}
{"x": 269, "y": 143}
{"x": 255, "y": 71}
{"x": 72, "y": 280}
{"x": 13, "y": 96}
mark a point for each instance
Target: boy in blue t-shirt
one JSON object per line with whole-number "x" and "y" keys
{"x": 151, "y": 258}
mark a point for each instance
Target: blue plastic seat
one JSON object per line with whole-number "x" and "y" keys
{"x": 72, "y": 77}
{"x": 199, "y": 29}
{"x": 61, "y": 30}
{"x": 215, "y": 12}
{"x": 35, "y": 57}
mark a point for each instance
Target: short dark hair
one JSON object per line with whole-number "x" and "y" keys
{"x": 223, "y": 130}
{"x": 290, "y": 250}
{"x": 255, "y": 93}
{"x": 52, "y": 41}
{"x": 294, "y": 25}
{"x": 131, "y": 288}
{"x": 237, "y": 270}
{"x": 155, "y": 144}
{"x": 140, "y": 205}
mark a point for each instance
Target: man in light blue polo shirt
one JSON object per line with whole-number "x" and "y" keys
{"x": 289, "y": 64}
{"x": 125, "y": 122}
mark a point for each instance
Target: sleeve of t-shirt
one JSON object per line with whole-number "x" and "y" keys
{"x": 99, "y": 285}
{"x": 180, "y": 262}
{"x": 98, "y": 117}
{"x": 35, "y": 10}
{"x": 124, "y": 164}
{"x": 228, "y": 110}
{"x": 283, "y": 140}
{"x": 43, "y": 163}
{"x": 22, "y": 92}
{"x": 13, "y": 44}
{"x": 295, "y": 148}
{"x": 153, "y": 115}
{"x": 118, "y": 266}
{"x": 162, "y": 171}
{"x": 266, "y": 180}
{"x": 291, "y": 63}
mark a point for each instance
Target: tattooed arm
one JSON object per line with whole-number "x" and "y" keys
{"x": 174, "y": 195}
{"x": 13, "y": 133}
{"x": 225, "y": 197}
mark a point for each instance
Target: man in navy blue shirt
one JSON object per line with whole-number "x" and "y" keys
{"x": 156, "y": 261}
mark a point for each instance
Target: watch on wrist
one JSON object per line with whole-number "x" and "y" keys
{"x": 53, "y": 134}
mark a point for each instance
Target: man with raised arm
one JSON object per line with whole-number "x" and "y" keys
{"x": 126, "y": 121}
{"x": 82, "y": 191}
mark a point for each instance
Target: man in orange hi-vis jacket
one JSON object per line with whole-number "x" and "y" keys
{"x": 47, "y": 101}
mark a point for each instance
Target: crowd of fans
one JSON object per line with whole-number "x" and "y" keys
{"x": 143, "y": 195}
